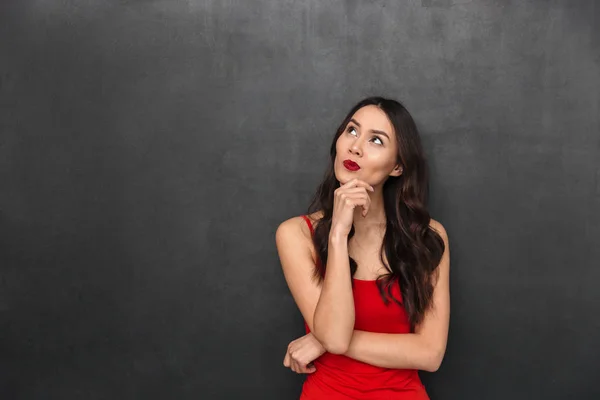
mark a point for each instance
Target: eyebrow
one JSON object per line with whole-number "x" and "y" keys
{"x": 372, "y": 130}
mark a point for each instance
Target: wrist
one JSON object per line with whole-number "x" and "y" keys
{"x": 316, "y": 341}
{"x": 336, "y": 237}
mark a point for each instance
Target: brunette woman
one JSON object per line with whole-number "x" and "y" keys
{"x": 367, "y": 266}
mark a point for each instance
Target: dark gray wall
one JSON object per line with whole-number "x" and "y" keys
{"x": 149, "y": 149}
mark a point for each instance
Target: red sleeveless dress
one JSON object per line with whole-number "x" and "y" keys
{"x": 338, "y": 377}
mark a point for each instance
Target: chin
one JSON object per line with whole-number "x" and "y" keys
{"x": 345, "y": 177}
{"x": 342, "y": 176}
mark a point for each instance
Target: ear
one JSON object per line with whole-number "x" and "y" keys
{"x": 397, "y": 171}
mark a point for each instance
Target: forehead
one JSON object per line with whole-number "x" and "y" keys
{"x": 372, "y": 117}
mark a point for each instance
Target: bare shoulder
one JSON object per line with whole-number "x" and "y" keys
{"x": 439, "y": 228}
{"x": 296, "y": 225}
{"x": 294, "y": 235}
{"x": 296, "y": 254}
{"x": 292, "y": 229}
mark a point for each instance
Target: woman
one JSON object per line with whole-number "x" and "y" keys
{"x": 368, "y": 267}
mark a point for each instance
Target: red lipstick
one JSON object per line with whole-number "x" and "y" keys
{"x": 351, "y": 165}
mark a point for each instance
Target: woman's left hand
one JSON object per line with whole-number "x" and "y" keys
{"x": 301, "y": 353}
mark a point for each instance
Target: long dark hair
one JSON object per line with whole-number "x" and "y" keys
{"x": 413, "y": 250}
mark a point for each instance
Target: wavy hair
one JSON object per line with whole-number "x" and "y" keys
{"x": 412, "y": 248}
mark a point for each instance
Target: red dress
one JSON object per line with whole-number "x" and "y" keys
{"x": 338, "y": 377}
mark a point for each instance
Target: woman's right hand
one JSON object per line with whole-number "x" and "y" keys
{"x": 347, "y": 197}
{"x": 302, "y": 352}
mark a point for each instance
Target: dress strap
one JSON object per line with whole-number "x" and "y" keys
{"x": 310, "y": 226}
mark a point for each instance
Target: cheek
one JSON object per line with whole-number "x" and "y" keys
{"x": 380, "y": 161}
{"x": 340, "y": 146}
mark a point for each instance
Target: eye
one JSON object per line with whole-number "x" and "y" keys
{"x": 380, "y": 141}
{"x": 351, "y": 129}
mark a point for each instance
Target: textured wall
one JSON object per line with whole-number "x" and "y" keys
{"x": 149, "y": 149}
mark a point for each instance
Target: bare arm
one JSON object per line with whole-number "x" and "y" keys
{"x": 423, "y": 349}
{"x": 334, "y": 314}
{"x": 332, "y": 318}
{"x": 327, "y": 309}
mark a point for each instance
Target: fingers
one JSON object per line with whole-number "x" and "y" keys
{"x": 296, "y": 365}
{"x": 359, "y": 202}
{"x": 306, "y": 369}
{"x": 299, "y": 368}
{"x": 294, "y": 362}
{"x": 289, "y": 361}
{"x": 357, "y": 199}
{"x": 354, "y": 193}
{"x": 357, "y": 183}
{"x": 310, "y": 368}
{"x": 286, "y": 360}
{"x": 354, "y": 190}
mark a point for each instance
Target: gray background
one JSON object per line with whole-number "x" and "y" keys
{"x": 149, "y": 149}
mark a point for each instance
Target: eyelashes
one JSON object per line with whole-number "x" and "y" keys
{"x": 351, "y": 128}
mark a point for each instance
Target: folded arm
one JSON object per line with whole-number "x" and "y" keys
{"x": 424, "y": 349}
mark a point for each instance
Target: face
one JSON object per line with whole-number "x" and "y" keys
{"x": 367, "y": 149}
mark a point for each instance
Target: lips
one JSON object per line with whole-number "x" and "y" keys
{"x": 351, "y": 165}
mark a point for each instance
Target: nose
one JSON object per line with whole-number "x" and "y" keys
{"x": 356, "y": 148}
